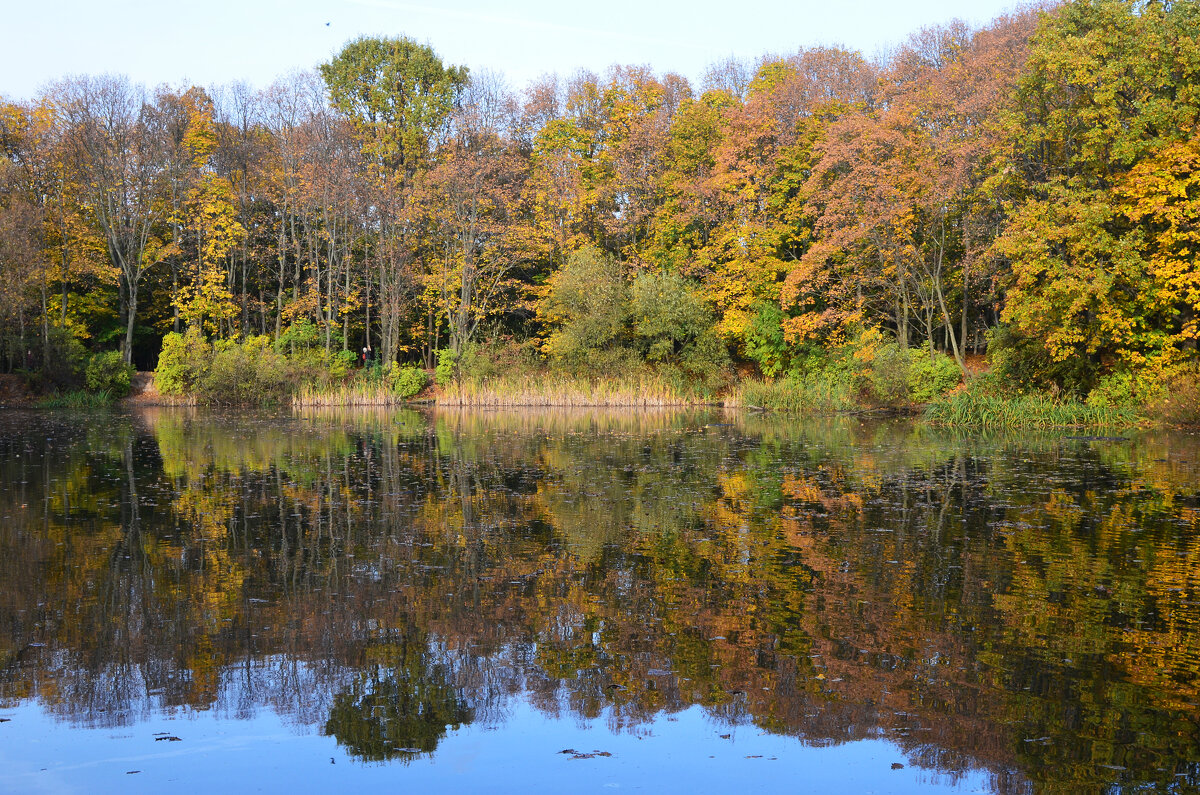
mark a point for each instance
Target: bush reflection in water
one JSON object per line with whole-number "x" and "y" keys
{"x": 1027, "y": 605}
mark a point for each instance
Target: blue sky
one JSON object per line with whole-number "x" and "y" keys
{"x": 219, "y": 41}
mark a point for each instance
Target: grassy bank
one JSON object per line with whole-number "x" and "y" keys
{"x": 871, "y": 375}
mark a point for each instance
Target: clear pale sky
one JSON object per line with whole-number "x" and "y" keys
{"x": 220, "y": 41}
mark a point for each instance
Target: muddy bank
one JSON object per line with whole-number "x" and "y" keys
{"x": 14, "y": 392}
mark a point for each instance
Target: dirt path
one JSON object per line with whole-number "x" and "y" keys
{"x": 142, "y": 391}
{"x": 13, "y": 391}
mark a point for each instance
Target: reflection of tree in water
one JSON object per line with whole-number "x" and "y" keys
{"x": 399, "y": 710}
{"x": 831, "y": 583}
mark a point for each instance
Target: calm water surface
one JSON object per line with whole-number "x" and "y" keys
{"x": 521, "y": 602}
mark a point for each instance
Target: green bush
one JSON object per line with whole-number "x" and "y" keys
{"x": 301, "y": 335}
{"x": 764, "y": 341}
{"x": 182, "y": 363}
{"x": 406, "y": 382}
{"x": 446, "y": 369}
{"x": 1025, "y": 365}
{"x": 245, "y": 373}
{"x": 587, "y": 305}
{"x": 227, "y": 371}
{"x": 887, "y": 377}
{"x": 499, "y": 358}
{"x": 1179, "y": 402}
{"x": 341, "y": 363}
{"x": 63, "y": 366}
{"x": 107, "y": 373}
{"x": 898, "y": 376}
{"x": 1121, "y": 390}
{"x": 930, "y": 377}
{"x": 675, "y": 331}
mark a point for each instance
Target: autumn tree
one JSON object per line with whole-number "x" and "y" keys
{"x": 1100, "y": 123}
{"x": 399, "y": 96}
{"x": 900, "y": 196}
{"x": 467, "y": 208}
{"x": 207, "y": 214}
{"x": 118, "y": 159}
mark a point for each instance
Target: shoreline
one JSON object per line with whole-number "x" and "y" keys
{"x": 1032, "y": 412}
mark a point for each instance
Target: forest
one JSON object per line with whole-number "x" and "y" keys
{"x": 1018, "y": 202}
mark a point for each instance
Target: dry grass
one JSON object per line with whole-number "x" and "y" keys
{"x": 353, "y": 393}
{"x": 564, "y": 390}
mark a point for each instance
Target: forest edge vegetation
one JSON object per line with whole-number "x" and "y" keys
{"x": 1018, "y": 204}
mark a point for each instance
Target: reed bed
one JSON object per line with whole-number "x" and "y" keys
{"x": 968, "y": 409}
{"x": 353, "y": 393}
{"x": 562, "y": 421}
{"x": 793, "y": 396}
{"x": 565, "y": 391}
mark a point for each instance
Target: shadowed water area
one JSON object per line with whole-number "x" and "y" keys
{"x": 521, "y": 601}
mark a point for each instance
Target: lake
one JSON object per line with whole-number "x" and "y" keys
{"x": 699, "y": 601}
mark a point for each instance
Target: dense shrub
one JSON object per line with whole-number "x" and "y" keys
{"x": 341, "y": 364}
{"x": 604, "y": 325}
{"x": 227, "y": 371}
{"x": 897, "y": 376}
{"x": 1025, "y": 365}
{"x": 673, "y": 327}
{"x": 765, "y": 344}
{"x": 499, "y": 358}
{"x": 182, "y": 363}
{"x": 930, "y": 377}
{"x": 887, "y": 375}
{"x": 588, "y": 307}
{"x": 1124, "y": 390}
{"x": 62, "y": 370}
{"x": 1179, "y": 402}
{"x": 406, "y": 382}
{"x": 298, "y": 336}
{"x": 245, "y": 372}
{"x": 446, "y": 369}
{"x": 109, "y": 374}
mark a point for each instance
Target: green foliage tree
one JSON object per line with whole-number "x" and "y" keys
{"x": 587, "y": 308}
{"x": 398, "y": 93}
{"x": 672, "y": 326}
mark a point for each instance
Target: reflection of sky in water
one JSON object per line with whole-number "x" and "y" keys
{"x": 683, "y": 753}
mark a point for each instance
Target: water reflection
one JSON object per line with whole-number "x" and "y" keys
{"x": 1024, "y": 605}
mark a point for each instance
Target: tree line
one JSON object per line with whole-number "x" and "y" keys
{"x": 1029, "y": 188}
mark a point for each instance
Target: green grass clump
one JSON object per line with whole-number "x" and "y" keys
{"x": 76, "y": 399}
{"x": 977, "y": 408}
